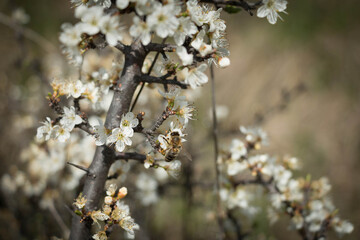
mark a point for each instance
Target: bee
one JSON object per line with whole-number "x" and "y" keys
{"x": 174, "y": 143}
{"x": 175, "y": 146}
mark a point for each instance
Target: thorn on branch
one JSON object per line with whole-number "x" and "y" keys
{"x": 82, "y": 168}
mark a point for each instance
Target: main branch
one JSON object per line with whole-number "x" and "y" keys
{"x": 105, "y": 156}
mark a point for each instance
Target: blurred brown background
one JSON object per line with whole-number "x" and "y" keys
{"x": 299, "y": 80}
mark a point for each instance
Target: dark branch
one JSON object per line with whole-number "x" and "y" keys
{"x": 160, "y": 47}
{"x": 161, "y": 119}
{"x": 104, "y": 156}
{"x": 248, "y": 7}
{"x": 161, "y": 80}
{"x": 122, "y": 47}
{"x": 130, "y": 155}
{"x": 86, "y": 127}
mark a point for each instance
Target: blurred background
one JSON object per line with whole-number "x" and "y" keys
{"x": 299, "y": 80}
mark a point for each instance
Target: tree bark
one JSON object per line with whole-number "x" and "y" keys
{"x": 105, "y": 156}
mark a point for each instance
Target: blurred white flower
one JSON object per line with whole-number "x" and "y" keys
{"x": 75, "y": 88}
{"x": 45, "y": 130}
{"x": 20, "y": 16}
{"x": 237, "y": 149}
{"x": 270, "y": 9}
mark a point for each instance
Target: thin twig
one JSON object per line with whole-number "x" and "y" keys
{"x": 86, "y": 127}
{"x": 216, "y": 149}
{"x": 143, "y": 83}
{"x": 165, "y": 115}
{"x": 59, "y": 220}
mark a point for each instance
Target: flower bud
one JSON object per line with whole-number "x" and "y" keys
{"x": 108, "y": 200}
{"x": 224, "y": 62}
{"x": 122, "y": 192}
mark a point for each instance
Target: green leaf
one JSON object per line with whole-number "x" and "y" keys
{"x": 231, "y": 9}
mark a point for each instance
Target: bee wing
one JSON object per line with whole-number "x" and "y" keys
{"x": 184, "y": 153}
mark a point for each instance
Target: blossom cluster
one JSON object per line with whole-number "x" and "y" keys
{"x": 45, "y": 169}
{"x": 114, "y": 212}
{"x": 169, "y": 145}
{"x": 197, "y": 30}
{"x": 60, "y": 131}
{"x": 306, "y": 201}
{"x": 120, "y": 136}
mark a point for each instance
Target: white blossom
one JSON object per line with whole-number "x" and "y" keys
{"x": 110, "y": 26}
{"x": 100, "y": 236}
{"x": 255, "y": 136}
{"x": 75, "y": 88}
{"x": 186, "y": 28}
{"x": 122, "y": 4}
{"x": 70, "y": 118}
{"x": 184, "y": 111}
{"x": 129, "y": 225}
{"x": 342, "y": 227}
{"x": 70, "y": 35}
{"x": 45, "y": 130}
{"x": 224, "y": 62}
{"x": 163, "y": 20}
{"x": 270, "y": 9}
{"x": 91, "y": 20}
{"x": 298, "y": 221}
{"x": 111, "y": 190}
{"x": 128, "y": 122}
{"x": 234, "y": 167}
{"x": 98, "y": 215}
{"x": 186, "y": 58}
{"x": 121, "y": 138}
{"x": 173, "y": 169}
{"x": 62, "y": 133}
{"x": 101, "y": 134}
{"x": 237, "y": 149}
{"x": 194, "y": 77}
{"x": 140, "y": 29}
{"x": 196, "y": 12}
